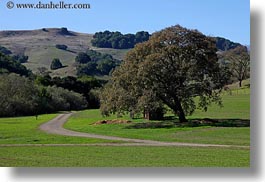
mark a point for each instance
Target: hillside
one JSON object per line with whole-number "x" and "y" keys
{"x": 40, "y": 47}
{"x": 223, "y": 44}
{"x": 40, "y": 44}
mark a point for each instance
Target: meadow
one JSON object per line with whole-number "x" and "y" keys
{"x": 236, "y": 107}
{"x": 24, "y": 130}
{"x": 109, "y": 156}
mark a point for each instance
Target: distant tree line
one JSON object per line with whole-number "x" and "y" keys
{"x": 10, "y": 65}
{"x": 117, "y": 40}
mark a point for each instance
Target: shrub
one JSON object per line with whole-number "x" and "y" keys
{"x": 56, "y": 64}
{"x": 62, "y": 99}
{"x": 61, "y": 46}
{"x": 18, "y": 96}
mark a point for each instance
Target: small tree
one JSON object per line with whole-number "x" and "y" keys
{"x": 56, "y": 64}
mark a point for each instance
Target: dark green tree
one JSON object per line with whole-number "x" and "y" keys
{"x": 174, "y": 67}
{"x": 82, "y": 58}
{"x": 56, "y": 64}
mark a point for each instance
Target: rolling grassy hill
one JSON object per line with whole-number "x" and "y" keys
{"x": 40, "y": 44}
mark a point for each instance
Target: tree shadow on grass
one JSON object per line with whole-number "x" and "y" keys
{"x": 151, "y": 125}
{"x": 71, "y": 51}
{"x": 171, "y": 122}
{"x": 218, "y": 122}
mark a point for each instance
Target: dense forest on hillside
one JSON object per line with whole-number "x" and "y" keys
{"x": 117, "y": 40}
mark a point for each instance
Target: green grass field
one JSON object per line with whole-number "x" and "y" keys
{"x": 235, "y": 106}
{"x": 24, "y": 130}
{"x": 123, "y": 157}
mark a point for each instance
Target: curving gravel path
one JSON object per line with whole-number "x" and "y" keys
{"x": 55, "y": 126}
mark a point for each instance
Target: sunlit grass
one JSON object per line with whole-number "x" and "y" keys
{"x": 24, "y": 130}
{"x": 108, "y": 156}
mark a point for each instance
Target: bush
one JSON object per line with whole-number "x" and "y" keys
{"x": 44, "y": 30}
{"x": 18, "y": 96}
{"x": 61, "y": 46}
{"x": 65, "y": 100}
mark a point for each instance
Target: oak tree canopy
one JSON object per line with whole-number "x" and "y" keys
{"x": 175, "y": 66}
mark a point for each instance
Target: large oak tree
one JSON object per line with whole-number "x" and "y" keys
{"x": 173, "y": 68}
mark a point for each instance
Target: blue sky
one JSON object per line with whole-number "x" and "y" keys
{"x": 225, "y": 18}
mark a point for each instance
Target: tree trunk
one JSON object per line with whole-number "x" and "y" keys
{"x": 182, "y": 118}
{"x": 179, "y": 111}
{"x": 177, "y": 108}
{"x": 240, "y": 83}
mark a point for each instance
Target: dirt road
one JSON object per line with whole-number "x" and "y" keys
{"x": 55, "y": 126}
